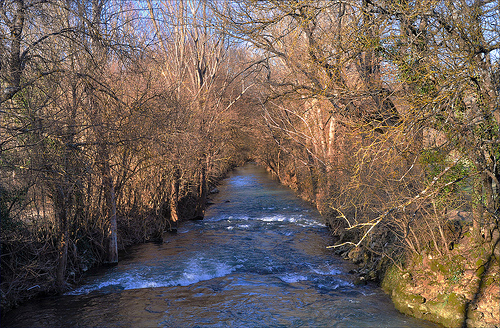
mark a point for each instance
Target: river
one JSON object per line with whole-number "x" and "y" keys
{"x": 258, "y": 259}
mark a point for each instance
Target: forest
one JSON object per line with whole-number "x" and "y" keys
{"x": 117, "y": 119}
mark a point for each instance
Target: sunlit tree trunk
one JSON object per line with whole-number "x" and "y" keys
{"x": 11, "y": 84}
{"x": 174, "y": 197}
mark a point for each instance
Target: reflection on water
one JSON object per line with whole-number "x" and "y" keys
{"x": 258, "y": 259}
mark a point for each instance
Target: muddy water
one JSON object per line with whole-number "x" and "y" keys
{"x": 258, "y": 259}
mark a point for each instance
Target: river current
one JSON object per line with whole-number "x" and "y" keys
{"x": 258, "y": 259}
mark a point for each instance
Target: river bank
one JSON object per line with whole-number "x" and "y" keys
{"x": 258, "y": 258}
{"x": 455, "y": 286}
{"x": 460, "y": 285}
{"x": 458, "y": 289}
{"x": 29, "y": 253}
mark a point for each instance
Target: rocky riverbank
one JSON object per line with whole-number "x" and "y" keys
{"x": 458, "y": 288}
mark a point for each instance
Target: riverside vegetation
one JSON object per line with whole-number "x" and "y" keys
{"x": 118, "y": 117}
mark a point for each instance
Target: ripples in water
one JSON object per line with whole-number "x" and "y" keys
{"x": 259, "y": 259}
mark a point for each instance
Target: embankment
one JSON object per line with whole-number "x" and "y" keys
{"x": 458, "y": 288}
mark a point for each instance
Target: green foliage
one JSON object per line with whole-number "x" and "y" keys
{"x": 455, "y": 269}
{"x": 435, "y": 161}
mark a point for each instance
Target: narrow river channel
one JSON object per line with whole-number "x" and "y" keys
{"x": 258, "y": 259}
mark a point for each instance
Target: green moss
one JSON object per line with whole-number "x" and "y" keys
{"x": 453, "y": 269}
{"x": 480, "y": 271}
{"x": 447, "y": 309}
{"x": 490, "y": 281}
{"x": 445, "y": 268}
{"x": 456, "y": 303}
{"x": 479, "y": 263}
{"x": 408, "y": 303}
{"x": 435, "y": 266}
{"x": 455, "y": 277}
{"x": 391, "y": 279}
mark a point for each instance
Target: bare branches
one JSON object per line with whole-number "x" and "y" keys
{"x": 428, "y": 192}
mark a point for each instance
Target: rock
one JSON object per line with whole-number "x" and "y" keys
{"x": 356, "y": 255}
{"x": 447, "y": 309}
{"x": 360, "y": 281}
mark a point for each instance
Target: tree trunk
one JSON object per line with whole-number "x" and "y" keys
{"x": 479, "y": 208}
{"x": 113, "y": 226}
{"x": 202, "y": 193}
{"x": 174, "y": 199}
{"x": 63, "y": 202}
{"x": 13, "y": 82}
{"x": 110, "y": 206}
{"x": 62, "y": 216}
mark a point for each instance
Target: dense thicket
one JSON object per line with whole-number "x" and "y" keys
{"x": 116, "y": 118}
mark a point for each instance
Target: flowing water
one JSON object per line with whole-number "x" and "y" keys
{"x": 258, "y": 259}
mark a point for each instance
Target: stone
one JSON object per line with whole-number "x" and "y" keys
{"x": 356, "y": 255}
